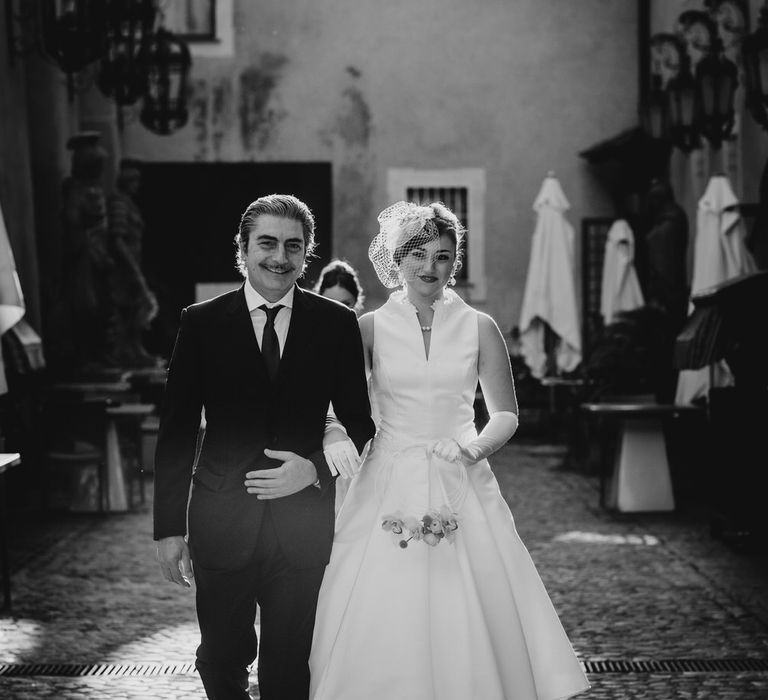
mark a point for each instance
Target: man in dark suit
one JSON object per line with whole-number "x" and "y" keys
{"x": 264, "y": 362}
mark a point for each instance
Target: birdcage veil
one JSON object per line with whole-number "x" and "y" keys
{"x": 403, "y": 227}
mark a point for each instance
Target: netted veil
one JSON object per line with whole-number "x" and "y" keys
{"x": 403, "y": 227}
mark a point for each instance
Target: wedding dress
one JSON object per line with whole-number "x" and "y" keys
{"x": 467, "y": 617}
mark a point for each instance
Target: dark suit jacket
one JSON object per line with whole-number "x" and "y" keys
{"x": 217, "y": 364}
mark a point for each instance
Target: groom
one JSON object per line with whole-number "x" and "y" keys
{"x": 264, "y": 362}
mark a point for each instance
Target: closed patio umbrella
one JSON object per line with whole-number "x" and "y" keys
{"x": 719, "y": 254}
{"x": 620, "y": 288}
{"x": 550, "y": 293}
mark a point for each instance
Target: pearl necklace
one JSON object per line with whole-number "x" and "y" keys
{"x": 424, "y": 329}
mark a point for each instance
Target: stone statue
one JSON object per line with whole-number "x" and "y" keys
{"x": 134, "y": 303}
{"x": 84, "y": 307}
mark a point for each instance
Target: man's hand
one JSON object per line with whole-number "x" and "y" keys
{"x": 175, "y": 562}
{"x": 295, "y": 474}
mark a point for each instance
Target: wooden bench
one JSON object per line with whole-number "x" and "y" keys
{"x": 641, "y": 479}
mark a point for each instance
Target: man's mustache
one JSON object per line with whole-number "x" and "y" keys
{"x": 279, "y": 268}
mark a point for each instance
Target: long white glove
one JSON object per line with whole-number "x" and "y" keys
{"x": 342, "y": 458}
{"x": 340, "y": 452}
{"x": 500, "y": 427}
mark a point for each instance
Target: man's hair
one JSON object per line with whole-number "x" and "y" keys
{"x": 285, "y": 206}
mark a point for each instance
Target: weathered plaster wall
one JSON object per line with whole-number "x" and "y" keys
{"x": 517, "y": 87}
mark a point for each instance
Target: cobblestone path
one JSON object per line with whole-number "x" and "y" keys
{"x": 647, "y": 587}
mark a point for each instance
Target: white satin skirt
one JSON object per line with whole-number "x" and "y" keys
{"x": 465, "y": 617}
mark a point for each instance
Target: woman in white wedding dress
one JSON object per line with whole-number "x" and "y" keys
{"x": 430, "y": 593}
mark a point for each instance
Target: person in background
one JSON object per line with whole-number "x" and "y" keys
{"x": 339, "y": 281}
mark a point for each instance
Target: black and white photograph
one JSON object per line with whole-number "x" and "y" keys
{"x": 384, "y": 350}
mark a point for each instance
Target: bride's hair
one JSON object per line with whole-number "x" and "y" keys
{"x": 447, "y": 224}
{"x": 405, "y": 226}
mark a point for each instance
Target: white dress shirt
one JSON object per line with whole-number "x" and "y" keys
{"x": 259, "y": 319}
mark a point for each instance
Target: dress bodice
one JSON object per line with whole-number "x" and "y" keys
{"x": 420, "y": 399}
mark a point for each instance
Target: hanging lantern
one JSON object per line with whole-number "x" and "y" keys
{"x": 167, "y": 62}
{"x": 730, "y": 17}
{"x": 698, "y": 33}
{"x": 683, "y": 110}
{"x": 129, "y": 25}
{"x": 716, "y": 82}
{"x": 754, "y": 50}
{"x": 72, "y": 32}
{"x": 655, "y": 112}
{"x": 666, "y": 59}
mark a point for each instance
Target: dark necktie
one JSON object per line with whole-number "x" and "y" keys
{"x": 270, "y": 347}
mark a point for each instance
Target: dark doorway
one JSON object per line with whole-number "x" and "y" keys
{"x": 192, "y": 212}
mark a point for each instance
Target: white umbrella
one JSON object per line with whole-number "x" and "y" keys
{"x": 11, "y": 299}
{"x": 620, "y": 288}
{"x": 719, "y": 254}
{"x": 550, "y": 292}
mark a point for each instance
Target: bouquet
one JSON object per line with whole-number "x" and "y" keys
{"x": 432, "y": 528}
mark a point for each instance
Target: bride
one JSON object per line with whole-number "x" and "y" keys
{"x": 430, "y": 592}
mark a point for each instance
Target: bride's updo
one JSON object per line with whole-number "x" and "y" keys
{"x": 405, "y": 226}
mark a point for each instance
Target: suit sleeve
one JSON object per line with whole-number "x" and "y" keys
{"x": 179, "y": 425}
{"x": 350, "y": 397}
{"x": 350, "y": 393}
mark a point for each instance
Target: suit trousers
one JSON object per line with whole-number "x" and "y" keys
{"x": 226, "y": 612}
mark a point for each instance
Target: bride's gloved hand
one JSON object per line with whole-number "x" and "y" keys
{"x": 500, "y": 427}
{"x": 447, "y": 449}
{"x": 341, "y": 455}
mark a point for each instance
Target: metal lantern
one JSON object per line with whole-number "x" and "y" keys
{"x": 72, "y": 32}
{"x": 754, "y": 51}
{"x": 167, "y": 62}
{"x": 129, "y": 25}
{"x": 683, "y": 110}
{"x": 716, "y": 82}
{"x": 655, "y": 112}
{"x": 698, "y": 33}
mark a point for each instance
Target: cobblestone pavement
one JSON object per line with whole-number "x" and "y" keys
{"x": 645, "y": 587}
